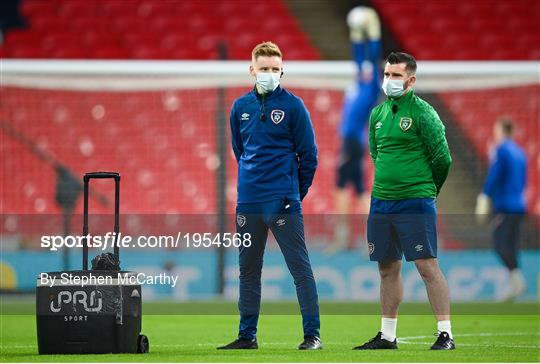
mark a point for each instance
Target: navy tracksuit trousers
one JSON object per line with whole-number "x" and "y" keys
{"x": 284, "y": 218}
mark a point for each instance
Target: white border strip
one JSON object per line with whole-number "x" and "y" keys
{"x": 224, "y": 68}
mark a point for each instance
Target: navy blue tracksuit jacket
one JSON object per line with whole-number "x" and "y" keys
{"x": 274, "y": 144}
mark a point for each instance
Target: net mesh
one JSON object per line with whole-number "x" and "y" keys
{"x": 161, "y": 131}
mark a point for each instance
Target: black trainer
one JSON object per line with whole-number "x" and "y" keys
{"x": 310, "y": 343}
{"x": 378, "y": 343}
{"x": 444, "y": 342}
{"x": 240, "y": 344}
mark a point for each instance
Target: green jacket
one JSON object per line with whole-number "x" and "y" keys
{"x": 409, "y": 149}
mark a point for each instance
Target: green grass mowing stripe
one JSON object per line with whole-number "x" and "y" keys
{"x": 216, "y": 307}
{"x": 193, "y": 338}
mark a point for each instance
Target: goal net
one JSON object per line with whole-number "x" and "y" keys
{"x": 164, "y": 127}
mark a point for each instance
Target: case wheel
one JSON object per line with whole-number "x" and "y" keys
{"x": 143, "y": 345}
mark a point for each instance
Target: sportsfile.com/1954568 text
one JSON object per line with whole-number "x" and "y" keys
{"x": 111, "y": 239}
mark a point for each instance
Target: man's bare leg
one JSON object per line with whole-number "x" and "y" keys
{"x": 439, "y": 298}
{"x": 436, "y": 286}
{"x": 391, "y": 297}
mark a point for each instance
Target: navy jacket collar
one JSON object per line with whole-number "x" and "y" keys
{"x": 269, "y": 95}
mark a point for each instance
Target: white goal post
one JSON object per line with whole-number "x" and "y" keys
{"x": 433, "y": 76}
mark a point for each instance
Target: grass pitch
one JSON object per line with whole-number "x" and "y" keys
{"x": 483, "y": 333}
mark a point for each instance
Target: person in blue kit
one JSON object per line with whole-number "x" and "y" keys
{"x": 505, "y": 187}
{"x": 274, "y": 144}
{"x": 365, "y": 36}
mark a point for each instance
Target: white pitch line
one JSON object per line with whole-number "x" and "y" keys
{"x": 401, "y": 340}
{"x": 213, "y": 344}
{"x": 406, "y": 340}
{"x": 477, "y": 345}
{"x": 479, "y": 334}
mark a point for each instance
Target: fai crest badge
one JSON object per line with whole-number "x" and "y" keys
{"x": 405, "y": 123}
{"x": 277, "y": 116}
{"x": 240, "y": 220}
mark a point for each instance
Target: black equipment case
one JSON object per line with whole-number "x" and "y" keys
{"x": 101, "y": 317}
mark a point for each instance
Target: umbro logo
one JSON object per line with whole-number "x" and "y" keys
{"x": 280, "y": 222}
{"x": 419, "y": 248}
{"x": 378, "y": 125}
{"x": 245, "y": 116}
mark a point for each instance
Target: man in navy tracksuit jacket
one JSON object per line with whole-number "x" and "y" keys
{"x": 274, "y": 144}
{"x": 505, "y": 187}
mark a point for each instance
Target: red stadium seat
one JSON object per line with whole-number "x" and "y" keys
{"x": 176, "y": 40}
{"x": 475, "y": 112}
{"x": 25, "y": 52}
{"x": 58, "y": 39}
{"x": 127, "y": 24}
{"x": 200, "y": 25}
{"x": 156, "y": 9}
{"x": 97, "y": 38}
{"x": 36, "y": 8}
{"x": 471, "y": 30}
{"x": 135, "y": 39}
{"x": 209, "y": 42}
{"x": 120, "y": 8}
{"x": 167, "y": 24}
{"x": 147, "y": 51}
{"x": 84, "y": 24}
{"x": 108, "y": 52}
{"x": 75, "y": 9}
{"x": 193, "y": 53}
{"x": 308, "y": 53}
{"x": 69, "y": 52}
{"x": 23, "y": 38}
{"x": 49, "y": 24}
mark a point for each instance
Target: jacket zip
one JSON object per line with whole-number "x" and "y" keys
{"x": 261, "y": 108}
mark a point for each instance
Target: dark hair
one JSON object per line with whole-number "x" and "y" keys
{"x": 400, "y": 57}
{"x": 507, "y": 125}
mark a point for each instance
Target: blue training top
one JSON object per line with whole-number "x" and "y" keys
{"x": 356, "y": 110}
{"x": 364, "y": 95}
{"x": 274, "y": 144}
{"x": 507, "y": 177}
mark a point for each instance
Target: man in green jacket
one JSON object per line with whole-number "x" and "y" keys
{"x": 408, "y": 147}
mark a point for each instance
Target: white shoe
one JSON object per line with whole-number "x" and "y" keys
{"x": 517, "y": 285}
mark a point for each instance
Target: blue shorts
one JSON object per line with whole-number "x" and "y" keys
{"x": 350, "y": 167}
{"x": 397, "y": 227}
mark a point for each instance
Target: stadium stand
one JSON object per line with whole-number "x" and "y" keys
{"x": 152, "y": 29}
{"x": 113, "y": 131}
{"x": 124, "y": 131}
{"x": 477, "y": 30}
{"x": 474, "y": 30}
{"x": 475, "y": 112}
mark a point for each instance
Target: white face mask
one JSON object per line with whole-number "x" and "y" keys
{"x": 267, "y": 81}
{"x": 393, "y": 88}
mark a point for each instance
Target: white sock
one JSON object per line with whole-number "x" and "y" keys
{"x": 388, "y": 328}
{"x": 445, "y": 326}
